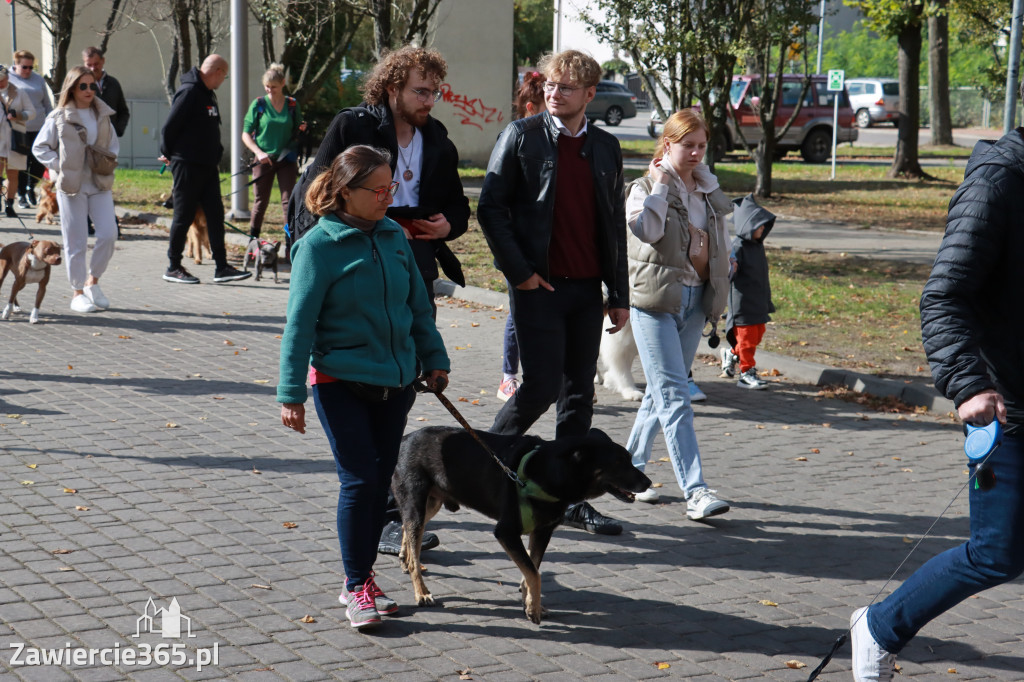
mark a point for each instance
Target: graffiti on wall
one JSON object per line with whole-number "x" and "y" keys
{"x": 472, "y": 112}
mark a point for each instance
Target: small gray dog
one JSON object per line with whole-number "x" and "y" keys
{"x": 263, "y": 254}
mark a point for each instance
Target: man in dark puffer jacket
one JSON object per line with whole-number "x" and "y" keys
{"x": 972, "y": 322}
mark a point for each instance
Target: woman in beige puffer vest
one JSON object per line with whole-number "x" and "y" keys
{"x": 82, "y": 120}
{"x": 678, "y": 254}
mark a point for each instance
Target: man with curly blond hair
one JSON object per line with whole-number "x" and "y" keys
{"x": 429, "y": 203}
{"x": 398, "y": 96}
{"x": 553, "y": 211}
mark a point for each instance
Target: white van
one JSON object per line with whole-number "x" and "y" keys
{"x": 874, "y": 100}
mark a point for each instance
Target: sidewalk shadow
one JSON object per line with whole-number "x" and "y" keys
{"x": 155, "y": 321}
{"x": 149, "y": 386}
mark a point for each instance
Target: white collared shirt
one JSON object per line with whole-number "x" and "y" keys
{"x": 563, "y": 129}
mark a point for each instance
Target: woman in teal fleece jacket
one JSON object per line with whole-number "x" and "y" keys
{"x": 360, "y": 323}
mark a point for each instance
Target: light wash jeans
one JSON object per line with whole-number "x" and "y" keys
{"x": 667, "y": 343}
{"x": 993, "y": 555}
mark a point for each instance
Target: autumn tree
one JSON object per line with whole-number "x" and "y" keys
{"x": 57, "y": 18}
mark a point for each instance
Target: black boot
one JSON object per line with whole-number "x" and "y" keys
{"x": 10, "y": 212}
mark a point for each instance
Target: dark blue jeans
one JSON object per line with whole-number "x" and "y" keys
{"x": 510, "y": 354}
{"x": 559, "y": 335}
{"x": 993, "y": 555}
{"x": 365, "y": 439}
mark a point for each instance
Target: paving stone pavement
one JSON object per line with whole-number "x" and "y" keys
{"x": 142, "y": 456}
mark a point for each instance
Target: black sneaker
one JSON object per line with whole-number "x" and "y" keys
{"x": 23, "y": 202}
{"x": 229, "y": 274}
{"x": 181, "y": 276}
{"x": 391, "y": 540}
{"x": 31, "y": 196}
{"x": 9, "y": 209}
{"x": 585, "y": 517}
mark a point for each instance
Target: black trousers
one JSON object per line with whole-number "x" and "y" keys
{"x": 559, "y": 336}
{"x": 196, "y": 185}
{"x": 28, "y": 178}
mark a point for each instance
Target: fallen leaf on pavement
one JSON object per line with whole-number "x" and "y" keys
{"x": 661, "y": 665}
{"x": 290, "y": 524}
{"x": 218, "y": 397}
{"x": 31, "y": 466}
{"x": 476, "y": 324}
{"x": 796, "y": 665}
{"x": 124, "y": 336}
{"x": 28, "y": 482}
{"x": 228, "y": 342}
{"x": 261, "y": 381}
{"x": 14, "y": 416}
{"x": 255, "y": 470}
{"x": 816, "y": 451}
{"x": 307, "y": 619}
{"x": 799, "y": 459}
{"x": 62, "y": 551}
{"x": 70, "y": 490}
{"x": 474, "y": 402}
{"x": 656, "y": 485}
{"x": 463, "y": 400}
{"x": 65, "y": 568}
{"x": 81, "y": 508}
{"x": 951, "y": 671}
{"x": 172, "y": 425}
{"x": 260, "y": 587}
{"x": 906, "y": 470}
{"x": 767, "y": 602}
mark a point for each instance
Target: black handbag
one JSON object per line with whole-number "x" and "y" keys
{"x": 19, "y": 143}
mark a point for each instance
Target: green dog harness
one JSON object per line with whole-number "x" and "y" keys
{"x": 530, "y": 490}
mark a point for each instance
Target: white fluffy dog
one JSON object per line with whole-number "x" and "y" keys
{"x": 615, "y": 362}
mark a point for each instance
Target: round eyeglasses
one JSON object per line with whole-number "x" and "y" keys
{"x": 563, "y": 89}
{"x": 424, "y": 95}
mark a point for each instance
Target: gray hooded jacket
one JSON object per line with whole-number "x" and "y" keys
{"x": 750, "y": 296}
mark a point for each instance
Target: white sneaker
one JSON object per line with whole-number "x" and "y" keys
{"x": 703, "y": 503}
{"x": 650, "y": 496}
{"x": 749, "y": 379}
{"x": 95, "y": 295}
{"x": 729, "y": 361}
{"x": 870, "y": 660}
{"x": 82, "y": 304}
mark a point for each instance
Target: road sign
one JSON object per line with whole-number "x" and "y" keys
{"x": 835, "y": 80}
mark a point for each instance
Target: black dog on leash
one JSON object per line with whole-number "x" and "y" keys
{"x": 442, "y": 465}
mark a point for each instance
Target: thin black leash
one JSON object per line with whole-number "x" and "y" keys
{"x": 27, "y": 231}
{"x": 423, "y": 388}
{"x": 841, "y": 640}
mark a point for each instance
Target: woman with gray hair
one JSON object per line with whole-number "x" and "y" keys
{"x": 17, "y": 109}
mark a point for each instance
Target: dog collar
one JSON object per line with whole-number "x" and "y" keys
{"x": 530, "y": 490}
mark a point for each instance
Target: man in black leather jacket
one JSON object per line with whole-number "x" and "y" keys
{"x": 972, "y": 325}
{"x": 399, "y": 95}
{"x": 553, "y": 211}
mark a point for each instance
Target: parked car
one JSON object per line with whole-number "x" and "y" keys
{"x": 811, "y": 132}
{"x": 612, "y": 103}
{"x": 874, "y": 100}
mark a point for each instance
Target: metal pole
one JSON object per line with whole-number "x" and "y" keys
{"x": 14, "y": 30}
{"x": 558, "y": 25}
{"x": 239, "y": 105}
{"x": 1013, "y": 68}
{"x": 821, "y": 36}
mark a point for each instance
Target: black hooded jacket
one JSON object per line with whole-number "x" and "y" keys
{"x": 440, "y": 187}
{"x": 191, "y": 132}
{"x": 750, "y": 296}
{"x": 972, "y": 307}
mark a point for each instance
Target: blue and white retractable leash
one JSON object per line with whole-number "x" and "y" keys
{"x": 980, "y": 443}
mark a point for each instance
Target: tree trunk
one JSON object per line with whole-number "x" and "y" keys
{"x": 764, "y": 155}
{"x": 112, "y": 20}
{"x": 938, "y": 79}
{"x": 381, "y": 10}
{"x": 905, "y": 162}
{"x": 63, "y": 22}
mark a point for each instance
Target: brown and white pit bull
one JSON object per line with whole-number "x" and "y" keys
{"x": 30, "y": 262}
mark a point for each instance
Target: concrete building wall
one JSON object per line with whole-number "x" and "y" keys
{"x": 475, "y": 37}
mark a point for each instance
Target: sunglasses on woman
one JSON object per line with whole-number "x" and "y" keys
{"x": 88, "y": 86}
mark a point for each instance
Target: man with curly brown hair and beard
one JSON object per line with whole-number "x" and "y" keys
{"x": 432, "y": 208}
{"x": 429, "y": 204}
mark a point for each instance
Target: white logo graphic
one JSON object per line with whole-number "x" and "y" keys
{"x": 170, "y": 619}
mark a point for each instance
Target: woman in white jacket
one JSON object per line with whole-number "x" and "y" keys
{"x": 17, "y": 109}
{"x": 71, "y": 144}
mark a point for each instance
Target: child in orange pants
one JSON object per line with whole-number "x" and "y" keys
{"x": 750, "y": 294}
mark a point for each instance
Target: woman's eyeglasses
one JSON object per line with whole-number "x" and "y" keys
{"x": 88, "y": 86}
{"x": 382, "y": 192}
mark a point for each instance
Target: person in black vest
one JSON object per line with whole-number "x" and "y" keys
{"x": 430, "y": 204}
{"x": 190, "y": 141}
{"x": 110, "y": 89}
{"x": 553, "y": 211}
{"x": 395, "y": 115}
